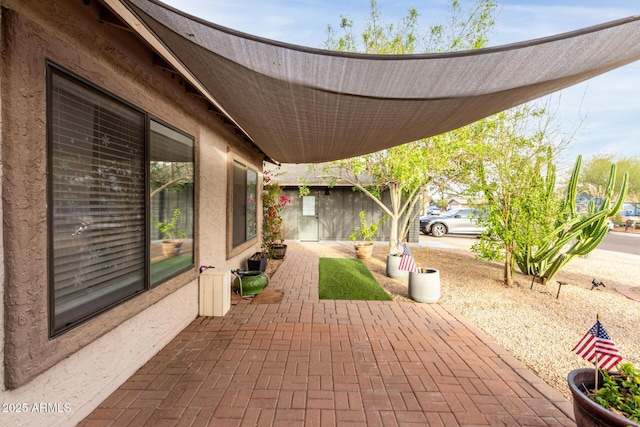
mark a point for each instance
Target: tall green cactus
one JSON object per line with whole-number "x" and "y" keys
{"x": 585, "y": 231}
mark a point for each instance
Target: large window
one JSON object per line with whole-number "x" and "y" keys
{"x": 245, "y": 184}
{"x": 100, "y": 228}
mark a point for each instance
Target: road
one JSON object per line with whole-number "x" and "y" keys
{"x": 628, "y": 243}
{"x": 616, "y": 241}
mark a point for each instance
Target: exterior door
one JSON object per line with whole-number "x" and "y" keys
{"x": 309, "y": 222}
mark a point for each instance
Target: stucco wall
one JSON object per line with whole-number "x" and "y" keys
{"x": 70, "y": 34}
{"x": 72, "y": 388}
{"x": 2, "y": 279}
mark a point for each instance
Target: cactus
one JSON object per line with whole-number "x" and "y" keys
{"x": 524, "y": 255}
{"x": 587, "y": 231}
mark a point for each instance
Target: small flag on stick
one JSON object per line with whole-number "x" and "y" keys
{"x": 596, "y": 347}
{"x": 406, "y": 262}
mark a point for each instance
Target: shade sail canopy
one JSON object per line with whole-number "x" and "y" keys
{"x": 304, "y": 105}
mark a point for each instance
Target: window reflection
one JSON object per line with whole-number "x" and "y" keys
{"x": 171, "y": 198}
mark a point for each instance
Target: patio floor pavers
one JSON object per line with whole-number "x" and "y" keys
{"x": 306, "y": 362}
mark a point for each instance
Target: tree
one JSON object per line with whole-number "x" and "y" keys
{"x": 511, "y": 176}
{"x": 405, "y": 171}
{"x": 594, "y": 176}
{"x": 467, "y": 29}
{"x": 166, "y": 175}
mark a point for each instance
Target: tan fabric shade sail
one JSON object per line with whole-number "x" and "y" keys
{"x": 304, "y": 105}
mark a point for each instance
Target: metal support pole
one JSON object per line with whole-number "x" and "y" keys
{"x": 560, "y": 285}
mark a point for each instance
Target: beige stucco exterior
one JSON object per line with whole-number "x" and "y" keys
{"x": 82, "y": 366}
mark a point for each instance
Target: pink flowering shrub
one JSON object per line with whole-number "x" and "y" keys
{"x": 273, "y": 201}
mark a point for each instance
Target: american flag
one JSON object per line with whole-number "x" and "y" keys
{"x": 596, "y": 346}
{"x": 406, "y": 262}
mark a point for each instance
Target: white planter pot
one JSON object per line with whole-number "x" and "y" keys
{"x": 393, "y": 262}
{"x": 425, "y": 287}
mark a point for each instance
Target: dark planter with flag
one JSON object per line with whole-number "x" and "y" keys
{"x": 587, "y": 412}
{"x": 597, "y": 347}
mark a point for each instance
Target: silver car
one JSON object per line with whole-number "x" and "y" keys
{"x": 459, "y": 221}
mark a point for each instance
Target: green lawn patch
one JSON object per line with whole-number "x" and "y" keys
{"x": 348, "y": 278}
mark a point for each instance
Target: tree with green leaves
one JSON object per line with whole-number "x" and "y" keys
{"x": 405, "y": 171}
{"x": 401, "y": 172}
{"x": 594, "y": 176}
{"x": 512, "y": 178}
{"x": 466, "y": 29}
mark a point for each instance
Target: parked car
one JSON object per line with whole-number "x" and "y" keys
{"x": 459, "y": 221}
{"x": 433, "y": 210}
{"x": 424, "y": 220}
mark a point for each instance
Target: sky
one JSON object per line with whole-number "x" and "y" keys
{"x": 602, "y": 114}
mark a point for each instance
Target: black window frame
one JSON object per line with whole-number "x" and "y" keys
{"x": 55, "y": 69}
{"x": 237, "y": 167}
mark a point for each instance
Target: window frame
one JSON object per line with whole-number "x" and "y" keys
{"x": 232, "y": 250}
{"x": 55, "y": 69}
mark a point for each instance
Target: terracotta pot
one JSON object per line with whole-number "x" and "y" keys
{"x": 424, "y": 286}
{"x": 393, "y": 262}
{"x": 364, "y": 250}
{"x": 587, "y": 412}
{"x": 171, "y": 248}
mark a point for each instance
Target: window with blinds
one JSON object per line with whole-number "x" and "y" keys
{"x": 97, "y": 196}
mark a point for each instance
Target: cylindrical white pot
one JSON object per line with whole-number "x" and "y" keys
{"x": 425, "y": 287}
{"x": 393, "y": 262}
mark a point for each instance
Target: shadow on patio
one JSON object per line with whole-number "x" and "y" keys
{"x": 308, "y": 362}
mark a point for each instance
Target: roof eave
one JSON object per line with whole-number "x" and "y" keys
{"x": 138, "y": 27}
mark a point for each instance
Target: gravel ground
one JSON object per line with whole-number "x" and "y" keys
{"x": 533, "y": 325}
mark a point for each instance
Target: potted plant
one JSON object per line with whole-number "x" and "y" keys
{"x": 424, "y": 283}
{"x": 172, "y": 236}
{"x": 393, "y": 267}
{"x": 258, "y": 261}
{"x": 364, "y": 248}
{"x": 616, "y": 402}
{"x": 273, "y": 201}
{"x": 278, "y": 249}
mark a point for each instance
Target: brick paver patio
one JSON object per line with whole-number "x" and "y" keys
{"x": 309, "y": 362}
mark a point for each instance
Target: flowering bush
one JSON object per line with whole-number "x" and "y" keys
{"x": 273, "y": 201}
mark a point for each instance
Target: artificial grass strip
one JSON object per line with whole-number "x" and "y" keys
{"x": 350, "y": 279}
